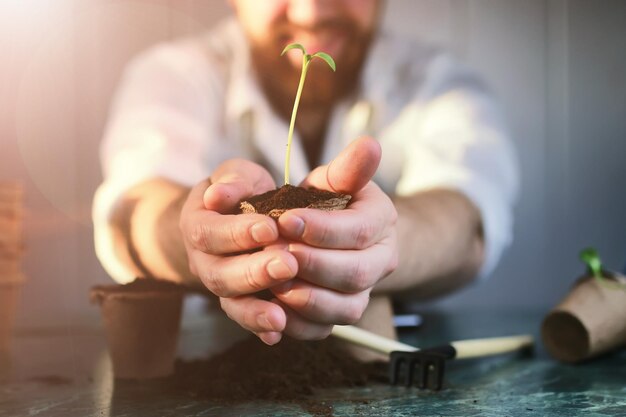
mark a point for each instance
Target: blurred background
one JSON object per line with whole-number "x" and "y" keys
{"x": 558, "y": 67}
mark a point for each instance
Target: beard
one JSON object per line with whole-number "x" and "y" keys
{"x": 323, "y": 88}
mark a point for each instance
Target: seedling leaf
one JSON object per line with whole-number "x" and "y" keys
{"x": 293, "y": 46}
{"x": 591, "y": 258}
{"x": 329, "y": 60}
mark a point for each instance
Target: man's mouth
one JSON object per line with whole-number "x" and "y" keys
{"x": 329, "y": 40}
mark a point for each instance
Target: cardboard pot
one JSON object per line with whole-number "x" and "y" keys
{"x": 142, "y": 329}
{"x": 589, "y": 321}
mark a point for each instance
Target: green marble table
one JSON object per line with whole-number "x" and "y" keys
{"x": 66, "y": 372}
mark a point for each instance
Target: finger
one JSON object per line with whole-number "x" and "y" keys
{"x": 232, "y": 276}
{"x": 301, "y": 328}
{"x": 213, "y": 233}
{"x": 321, "y": 305}
{"x": 218, "y": 234}
{"x": 233, "y": 181}
{"x": 270, "y": 338}
{"x": 256, "y": 315}
{"x": 348, "y": 271}
{"x": 363, "y": 223}
{"x": 351, "y": 170}
{"x": 194, "y": 198}
{"x": 280, "y": 243}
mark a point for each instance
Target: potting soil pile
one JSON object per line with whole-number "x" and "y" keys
{"x": 289, "y": 371}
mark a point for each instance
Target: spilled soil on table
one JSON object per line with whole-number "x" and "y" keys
{"x": 289, "y": 372}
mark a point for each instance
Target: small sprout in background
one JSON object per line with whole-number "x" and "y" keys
{"x": 591, "y": 258}
{"x": 306, "y": 60}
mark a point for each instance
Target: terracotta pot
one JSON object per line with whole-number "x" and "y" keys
{"x": 142, "y": 329}
{"x": 589, "y": 321}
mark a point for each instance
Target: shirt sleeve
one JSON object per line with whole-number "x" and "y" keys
{"x": 161, "y": 125}
{"x": 457, "y": 140}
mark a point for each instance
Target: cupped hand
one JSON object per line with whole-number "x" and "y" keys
{"x": 342, "y": 254}
{"x": 237, "y": 255}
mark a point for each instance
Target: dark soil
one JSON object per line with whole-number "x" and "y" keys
{"x": 140, "y": 285}
{"x": 290, "y": 371}
{"x": 275, "y": 202}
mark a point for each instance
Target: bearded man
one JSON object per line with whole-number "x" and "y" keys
{"x": 200, "y": 124}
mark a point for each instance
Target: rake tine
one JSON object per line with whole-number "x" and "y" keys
{"x": 395, "y": 361}
{"x": 439, "y": 371}
{"x": 408, "y": 381}
{"x": 423, "y": 381}
{"x": 436, "y": 362}
{"x": 434, "y": 365}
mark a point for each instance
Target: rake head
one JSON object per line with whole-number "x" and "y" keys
{"x": 424, "y": 368}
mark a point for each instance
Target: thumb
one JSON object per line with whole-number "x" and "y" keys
{"x": 351, "y": 170}
{"x": 233, "y": 181}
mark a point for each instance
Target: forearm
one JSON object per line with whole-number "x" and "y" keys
{"x": 440, "y": 244}
{"x": 147, "y": 236}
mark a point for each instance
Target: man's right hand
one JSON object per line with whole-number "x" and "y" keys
{"x": 219, "y": 244}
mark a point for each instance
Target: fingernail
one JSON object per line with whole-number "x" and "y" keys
{"x": 278, "y": 269}
{"x": 263, "y": 322}
{"x": 270, "y": 338}
{"x": 294, "y": 224}
{"x": 262, "y": 233}
{"x": 283, "y": 288}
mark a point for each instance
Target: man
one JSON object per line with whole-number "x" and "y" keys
{"x": 201, "y": 124}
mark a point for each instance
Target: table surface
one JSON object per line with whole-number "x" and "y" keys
{"x": 67, "y": 372}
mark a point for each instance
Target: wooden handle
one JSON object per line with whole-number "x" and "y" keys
{"x": 491, "y": 346}
{"x": 464, "y": 348}
{"x": 370, "y": 340}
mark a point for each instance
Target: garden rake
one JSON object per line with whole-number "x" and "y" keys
{"x": 405, "y": 360}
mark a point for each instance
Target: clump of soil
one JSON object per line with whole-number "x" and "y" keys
{"x": 290, "y": 371}
{"x": 275, "y": 202}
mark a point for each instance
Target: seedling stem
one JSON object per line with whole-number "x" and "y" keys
{"x": 306, "y": 60}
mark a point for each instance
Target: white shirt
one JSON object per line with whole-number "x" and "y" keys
{"x": 186, "y": 106}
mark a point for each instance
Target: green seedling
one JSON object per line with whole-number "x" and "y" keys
{"x": 591, "y": 258}
{"x": 306, "y": 60}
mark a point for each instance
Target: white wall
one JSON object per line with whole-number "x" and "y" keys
{"x": 557, "y": 66}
